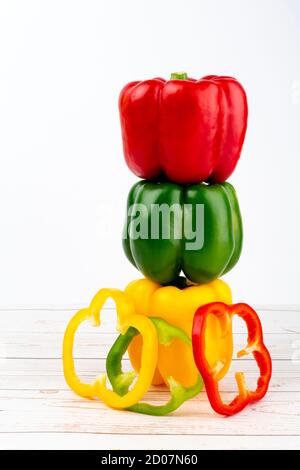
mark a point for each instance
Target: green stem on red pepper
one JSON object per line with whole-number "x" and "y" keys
{"x": 179, "y": 76}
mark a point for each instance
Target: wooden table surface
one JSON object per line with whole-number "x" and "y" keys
{"x": 37, "y": 410}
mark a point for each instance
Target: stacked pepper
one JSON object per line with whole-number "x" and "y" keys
{"x": 184, "y": 138}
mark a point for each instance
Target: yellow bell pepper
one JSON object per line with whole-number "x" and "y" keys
{"x": 177, "y": 307}
{"x": 127, "y": 317}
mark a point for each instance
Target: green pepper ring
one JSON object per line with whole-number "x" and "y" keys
{"x": 121, "y": 381}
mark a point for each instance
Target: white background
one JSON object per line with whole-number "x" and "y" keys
{"x": 63, "y": 180}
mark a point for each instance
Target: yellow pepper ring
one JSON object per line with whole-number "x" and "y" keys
{"x": 74, "y": 382}
{"x": 126, "y": 317}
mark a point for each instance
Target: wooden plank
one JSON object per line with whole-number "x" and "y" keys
{"x": 88, "y": 366}
{"x": 69, "y": 396}
{"x": 49, "y": 321}
{"x": 89, "y": 441}
{"x": 31, "y": 374}
{"x": 285, "y": 382}
{"x": 97, "y": 344}
{"x": 29, "y": 411}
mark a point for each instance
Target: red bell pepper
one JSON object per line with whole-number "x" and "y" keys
{"x": 224, "y": 314}
{"x": 183, "y": 129}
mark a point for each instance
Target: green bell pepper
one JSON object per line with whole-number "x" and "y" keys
{"x": 121, "y": 381}
{"x": 171, "y": 228}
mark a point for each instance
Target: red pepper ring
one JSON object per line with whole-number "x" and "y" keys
{"x": 224, "y": 314}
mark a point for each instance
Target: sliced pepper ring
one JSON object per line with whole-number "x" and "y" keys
{"x": 121, "y": 381}
{"x": 255, "y": 345}
{"x": 126, "y": 318}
